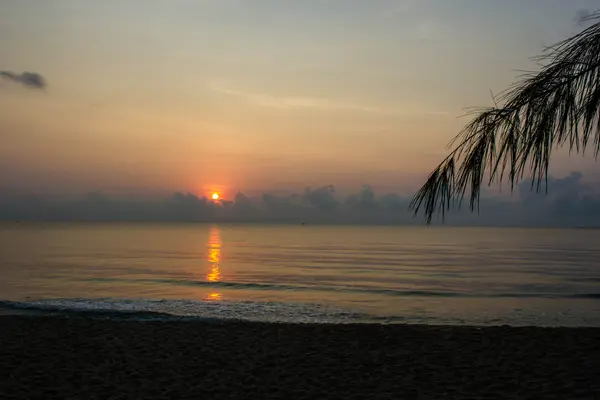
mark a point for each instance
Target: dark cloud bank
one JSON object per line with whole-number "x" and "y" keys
{"x": 29, "y": 79}
{"x": 569, "y": 202}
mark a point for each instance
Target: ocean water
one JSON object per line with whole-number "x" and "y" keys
{"x": 339, "y": 274}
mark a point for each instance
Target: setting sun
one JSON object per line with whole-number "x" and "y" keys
{"x": 215, "y": 196}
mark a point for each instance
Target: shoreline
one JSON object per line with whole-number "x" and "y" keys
{"x": 77, "y": 357}
{"x": 158, "y": 316}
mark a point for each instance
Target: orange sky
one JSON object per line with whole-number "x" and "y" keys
{"x": 238, "y": 95}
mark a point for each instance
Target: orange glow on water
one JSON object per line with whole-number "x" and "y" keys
{"x": 215, "y": 273}
{"x": 214, "y": 259}
{"x": 214, "y": 296}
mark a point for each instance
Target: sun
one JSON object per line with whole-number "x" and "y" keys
{"x": 215, "y": 196}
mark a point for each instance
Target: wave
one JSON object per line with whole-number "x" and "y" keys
{"x": 188, "y": 310}
{"x": 352, "y": 289}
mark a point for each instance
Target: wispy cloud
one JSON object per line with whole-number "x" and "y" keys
{"x": 416, "y": 24}
{"x": 396, "y": 8}
{"x": 268, "y": 100}
{"x": 319, "y": 103}
{"x": 29, "y": 79}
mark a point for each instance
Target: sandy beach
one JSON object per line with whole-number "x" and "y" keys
{"x": 66, "y": 358}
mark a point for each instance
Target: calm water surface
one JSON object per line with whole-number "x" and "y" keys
{"x": 385, "y": 274}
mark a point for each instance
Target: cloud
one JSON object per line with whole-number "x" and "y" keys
{"x": 318, "y": 103}
{"x": 28, "y": 79}
{"x": 322, "y": 198}
{"x": 364, "y": 200}
{"x": 569, "y": 197}
{"x": 267, "y": 100}
{"x": 570, "y": 201}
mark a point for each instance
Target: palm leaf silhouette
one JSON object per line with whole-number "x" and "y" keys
{"x": 557, "y": 106}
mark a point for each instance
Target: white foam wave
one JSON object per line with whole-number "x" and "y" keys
{"x": 242, "y": 310}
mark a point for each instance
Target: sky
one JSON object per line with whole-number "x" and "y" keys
{"x": 571, "y": 203}
{"x": 157, "y": 96}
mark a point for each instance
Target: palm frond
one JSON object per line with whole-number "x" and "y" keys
{"x": 589, "y": 16}
{"x": 555, "y": 107}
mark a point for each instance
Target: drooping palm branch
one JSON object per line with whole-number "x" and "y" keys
{"x": 555, "y": 107}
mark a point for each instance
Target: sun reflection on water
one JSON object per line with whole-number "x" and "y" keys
{"x": 214, "y": 259}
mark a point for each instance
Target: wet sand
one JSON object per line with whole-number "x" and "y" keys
{"x": 82, "y": 358}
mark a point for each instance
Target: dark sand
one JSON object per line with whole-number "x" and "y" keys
{"x": 66, "y": 358}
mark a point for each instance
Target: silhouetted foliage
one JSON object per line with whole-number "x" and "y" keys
{"x": 556, "y": 106}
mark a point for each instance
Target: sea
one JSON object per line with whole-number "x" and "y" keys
{"x": 303, "y": 273}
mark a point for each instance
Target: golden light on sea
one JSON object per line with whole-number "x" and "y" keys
{"x": 214, "y": 296}
{"x": 214, "y": 260}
